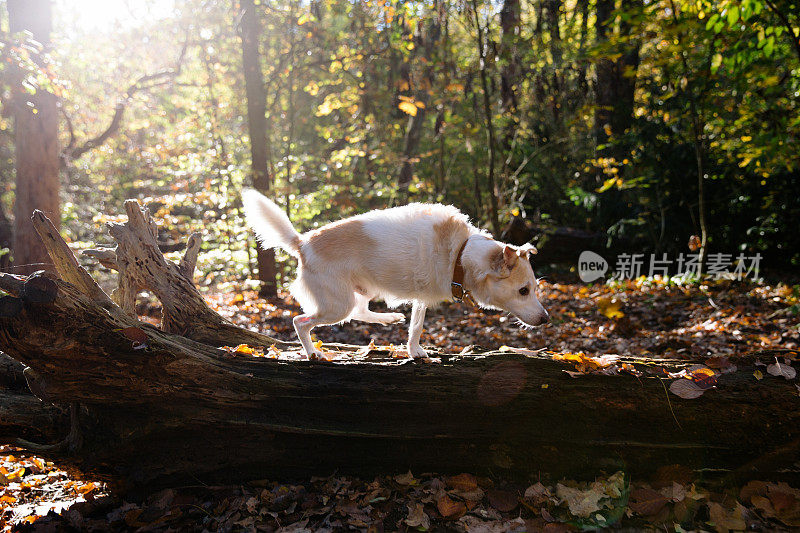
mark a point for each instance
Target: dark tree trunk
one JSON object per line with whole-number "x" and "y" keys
{"x": 616, "y": 78}
{"x": 494, "y": 192}
{"x": 164, "y": 408}
{"x": 260, "y": 147}
{"x": 509, "y": 73}
{"x": 37, "y": 150}
{"x": 614, "y": 90}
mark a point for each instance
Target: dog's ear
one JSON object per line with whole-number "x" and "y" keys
{"x": 503, "y": 261}
{"x": 526, "y": 250}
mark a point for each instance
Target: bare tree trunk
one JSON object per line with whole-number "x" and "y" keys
{"x": 490, "y": 134}
{"x": 427, "y": 36}
{"x": 509, "y": 76}
{"x": 509, "y": 73}
{"x": 260, "y": 148}
{"x": 37, "y": 150}
{"x": 614, "y": 91}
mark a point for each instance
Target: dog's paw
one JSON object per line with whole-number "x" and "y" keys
{"x": 394, "y": 318}
{"x": 316, "y": 355}
{"x": 416, "y": 352}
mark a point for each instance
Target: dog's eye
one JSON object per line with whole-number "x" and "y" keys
{"x": 524, "y": 291}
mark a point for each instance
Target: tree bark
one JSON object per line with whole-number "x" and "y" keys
{"x": 165, "y": 408}
{"x": 428, "y": 33}
{"x": 614, "y": 92}
{"x": 37, "y": 151}
{"x": 494, "y": 193}
{"x": 260, "y": 146}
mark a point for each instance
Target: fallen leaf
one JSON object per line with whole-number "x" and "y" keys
{"x": 502, "y": 500}
{"x": 686, "y": 389}
{"x": 462, "y": 482}
{"x": 752, "y": 488}
{"x": 417, "y": 517}
{"x": 780, "y": 369}
{"x": 647, "y": 502}
{"x": 724, "y": 520}
{"x": 536, "y": 491}
{"x": 243, "y": 349}
{"x": 87, "y": 488}
{"x": 450, "y": 509}
{"x": 705, "y": 378}
{"x": 406, "y": 479}
{"x": 676, "y": 492}
{"x": 609, "y": 306}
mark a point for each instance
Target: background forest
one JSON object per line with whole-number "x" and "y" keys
{"x": 598, "y": 115}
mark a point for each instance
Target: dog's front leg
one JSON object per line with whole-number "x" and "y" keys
{"x": 415, "y": 330}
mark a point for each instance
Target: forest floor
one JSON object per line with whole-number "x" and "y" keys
{"x": 647, "y": 318}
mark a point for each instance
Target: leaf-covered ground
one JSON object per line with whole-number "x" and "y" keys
{"x": 643, "y": 317}
{"x": 634, "y": 318}
{"x": 41, "y": 498}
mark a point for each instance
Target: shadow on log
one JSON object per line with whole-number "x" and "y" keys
{"x": 164, "y": 407}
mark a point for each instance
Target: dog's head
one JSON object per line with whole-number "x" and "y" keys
{"x": 505, "y": 280}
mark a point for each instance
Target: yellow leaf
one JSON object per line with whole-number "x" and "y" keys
{"x": 572, "y": 357}
{"x": 15, "y": 475}
{"x": 610, "y": 307}
{"x": 243, "y": 348}
{"x": 86, "y": 489}
{"x": 758, "y": 375}
{"x": 318, "y": 345}
{"x": 408, "y": 108}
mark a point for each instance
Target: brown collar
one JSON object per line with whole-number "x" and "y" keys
{"x": 460, "y": 293}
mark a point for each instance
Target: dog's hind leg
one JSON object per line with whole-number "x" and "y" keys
{"x": 362, "y": 312}
{"x": 415, "y": 330}
{"x": 337, "y": 307}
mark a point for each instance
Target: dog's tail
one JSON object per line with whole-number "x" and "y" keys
{"x": 273, "y": 228}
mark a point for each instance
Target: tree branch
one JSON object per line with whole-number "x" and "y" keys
{"x": 143, "y": 83}
{"x": 787, "y": 24}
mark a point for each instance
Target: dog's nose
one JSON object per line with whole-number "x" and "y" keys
{"x": 544, "y": 318}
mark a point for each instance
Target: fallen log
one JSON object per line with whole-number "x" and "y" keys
{"x": 161, "y": 407}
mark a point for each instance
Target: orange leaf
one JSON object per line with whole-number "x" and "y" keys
{"x": 86, "y": 489}
{"x": 462, "y": 482}
{"x": 408, "y": 108}
{"x": 704, "y": 377}
{"x": 449, "y": 509}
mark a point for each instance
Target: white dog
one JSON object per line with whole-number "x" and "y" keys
{"x": 418, "y": 253}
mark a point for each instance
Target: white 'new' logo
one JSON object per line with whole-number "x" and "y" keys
{"x": 591, "y": 266}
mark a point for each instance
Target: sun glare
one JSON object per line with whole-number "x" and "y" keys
{"x": 88, "y": 16}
